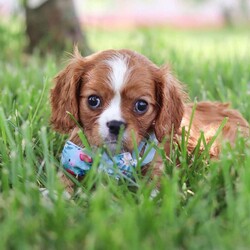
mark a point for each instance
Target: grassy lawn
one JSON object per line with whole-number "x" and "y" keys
{"x": 201, "y": 205}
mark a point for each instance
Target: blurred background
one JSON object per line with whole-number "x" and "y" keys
{"x": 63, "y": 22}
{"x": 207, "y": 44}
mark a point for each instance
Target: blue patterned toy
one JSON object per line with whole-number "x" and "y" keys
{"x": 77, "y": 161}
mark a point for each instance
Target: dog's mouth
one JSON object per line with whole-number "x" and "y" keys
{"x": 115, "y": 146}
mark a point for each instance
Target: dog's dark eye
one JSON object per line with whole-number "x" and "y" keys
{"x": 141, "y": 106}
{"x": 94, "y": 101}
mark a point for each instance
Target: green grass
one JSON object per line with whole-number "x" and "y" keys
{"x": 201, "y": 205}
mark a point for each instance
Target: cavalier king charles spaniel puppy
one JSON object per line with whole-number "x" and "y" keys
{"x": 116, "y": 89}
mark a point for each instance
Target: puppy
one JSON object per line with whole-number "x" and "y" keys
{"x": 116, "y": 89}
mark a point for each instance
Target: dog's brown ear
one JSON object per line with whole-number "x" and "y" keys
{"x": 64, "y": 94}
{"x": 170, "y": 98}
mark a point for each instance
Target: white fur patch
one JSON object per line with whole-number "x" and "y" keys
{"x": 119, "y": 71}
{"x": 117, "y": 78}
{"x": 113, "y": 112}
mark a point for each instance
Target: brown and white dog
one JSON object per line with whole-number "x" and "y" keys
{"x": 121, "y": 88}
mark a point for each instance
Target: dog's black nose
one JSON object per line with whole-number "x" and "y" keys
{"x": 115, "y": 126}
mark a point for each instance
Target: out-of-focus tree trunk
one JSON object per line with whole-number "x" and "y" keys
{"x": 228, "y": 13}
{"x": 53, "y": 27}
{"x": 244, "y": 6}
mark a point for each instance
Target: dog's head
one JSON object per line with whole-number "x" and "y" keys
{"x": 116, "y": 89}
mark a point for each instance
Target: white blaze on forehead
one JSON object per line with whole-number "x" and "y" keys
{"x": 117, "y": 78}
{"x": 118, "y": 71}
